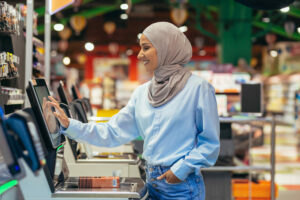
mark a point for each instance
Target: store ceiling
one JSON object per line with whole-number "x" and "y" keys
{"x": 99, "y": 11}
{"x": 154, "y": 10}
{"x": 142, "y": 14}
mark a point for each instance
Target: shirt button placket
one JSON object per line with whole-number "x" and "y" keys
{"x": 156, "y": 123}
{"x": 155, "y": 130}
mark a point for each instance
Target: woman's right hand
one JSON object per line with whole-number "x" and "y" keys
{"x": 59, "y": 113}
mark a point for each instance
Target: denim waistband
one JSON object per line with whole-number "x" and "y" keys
{"x": 157, "y": 168}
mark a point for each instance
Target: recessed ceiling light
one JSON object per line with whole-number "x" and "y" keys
{"x": 124, "y": 16}
{"x": 266, "y": 19}
{"x": 285, "y": 9}
{"x": 66, "y": 60}
{"x": 124, "y": 6}
{"x": 89, "y": 46}
{"x": 274, "y": 53}
{"x": 58, "y": 27}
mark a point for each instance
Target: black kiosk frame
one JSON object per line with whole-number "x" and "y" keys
{"x": 68, "y": 186}
{"x": 37, "y": 89}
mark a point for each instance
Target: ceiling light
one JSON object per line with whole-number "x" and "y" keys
{"x": 66, "y": 60}
{"x": 89, "y": 46}
{"x": 266, "y": 19}
{"x": 124, "y": 6}
{"x": 124, "y": 16}
{"x": 274, "y": 53}
{"x": 298, "y": 29}
{"x": 58, "y": 27}
{"x": 285, "y": 10}
{"x": 139, "y": 35}
{"x": 183, "y": 28}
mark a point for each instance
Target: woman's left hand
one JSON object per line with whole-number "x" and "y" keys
{"x": 170, "y": 177}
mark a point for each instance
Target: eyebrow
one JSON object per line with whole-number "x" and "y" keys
{"x": 145, "y": 43}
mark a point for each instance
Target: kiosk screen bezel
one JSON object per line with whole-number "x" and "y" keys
{"x": 36, "y": 104}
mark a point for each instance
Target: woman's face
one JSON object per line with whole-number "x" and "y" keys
{"x": 148, "y": 54}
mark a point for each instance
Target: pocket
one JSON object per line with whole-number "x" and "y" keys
{"x": 174, "y": 190}
{"x": 197, "y": 188}
{"x": 165, "y": 180}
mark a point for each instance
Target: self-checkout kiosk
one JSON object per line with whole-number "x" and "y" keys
{"x": 54, "y": 182}
{"x": 20, "y": 146}
{"x": 10, "y": 169}
{"x": 120, "y": 162}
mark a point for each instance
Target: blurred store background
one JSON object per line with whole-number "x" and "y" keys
{"x": 94, "y": 46}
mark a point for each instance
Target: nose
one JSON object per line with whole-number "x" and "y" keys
{"x": 140, "y": 55}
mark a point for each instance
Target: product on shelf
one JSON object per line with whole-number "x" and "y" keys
{"x": 280, "y": 93}
{"x": 12, "y": 96}
{"x": 9, "y": 19}
{"x": 7, "y": 65}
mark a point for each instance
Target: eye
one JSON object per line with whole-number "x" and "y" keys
{"x": 146, "y": 48}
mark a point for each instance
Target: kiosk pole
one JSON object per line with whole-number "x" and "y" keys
{"x": 47, "y": 39}
{"x": 28, "y": 52}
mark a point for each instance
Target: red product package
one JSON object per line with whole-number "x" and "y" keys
{"x": 99, "y": 182}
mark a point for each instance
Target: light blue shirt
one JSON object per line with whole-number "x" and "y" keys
{"x": 183, "y": 133}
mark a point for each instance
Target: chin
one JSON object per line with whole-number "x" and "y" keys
{"x": 148, "y": 70}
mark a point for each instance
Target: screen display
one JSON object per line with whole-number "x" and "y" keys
{"x": 251, "y": 97}
{"x": 52, "y": 124}
{"x": 64, "y": 94}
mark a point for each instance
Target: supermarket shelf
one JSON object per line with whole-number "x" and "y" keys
{"x": 245, "y": 119}
{"x": 14, "y": 102}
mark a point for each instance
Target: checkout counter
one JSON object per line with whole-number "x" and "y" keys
{"x": 45, "y": 173}
{"x": 120, "y": 161}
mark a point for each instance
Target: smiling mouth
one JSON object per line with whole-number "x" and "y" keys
{"x": 146, "y": 62}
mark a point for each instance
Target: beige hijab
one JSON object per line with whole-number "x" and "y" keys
{"x": 173, "y": 51}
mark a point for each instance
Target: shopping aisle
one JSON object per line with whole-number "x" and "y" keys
{"x": 287, "y": 161}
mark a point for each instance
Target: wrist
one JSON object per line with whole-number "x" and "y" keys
{"x": 67, "y": 123}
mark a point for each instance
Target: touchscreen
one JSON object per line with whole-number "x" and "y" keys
{"x": 52, "y": 124}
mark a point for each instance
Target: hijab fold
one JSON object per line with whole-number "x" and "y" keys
{"x": 173, "y": 51}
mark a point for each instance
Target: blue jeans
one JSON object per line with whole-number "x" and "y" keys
{"x": 191, "y": 188}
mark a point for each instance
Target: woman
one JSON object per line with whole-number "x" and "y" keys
{"x": 175, "y": 113}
